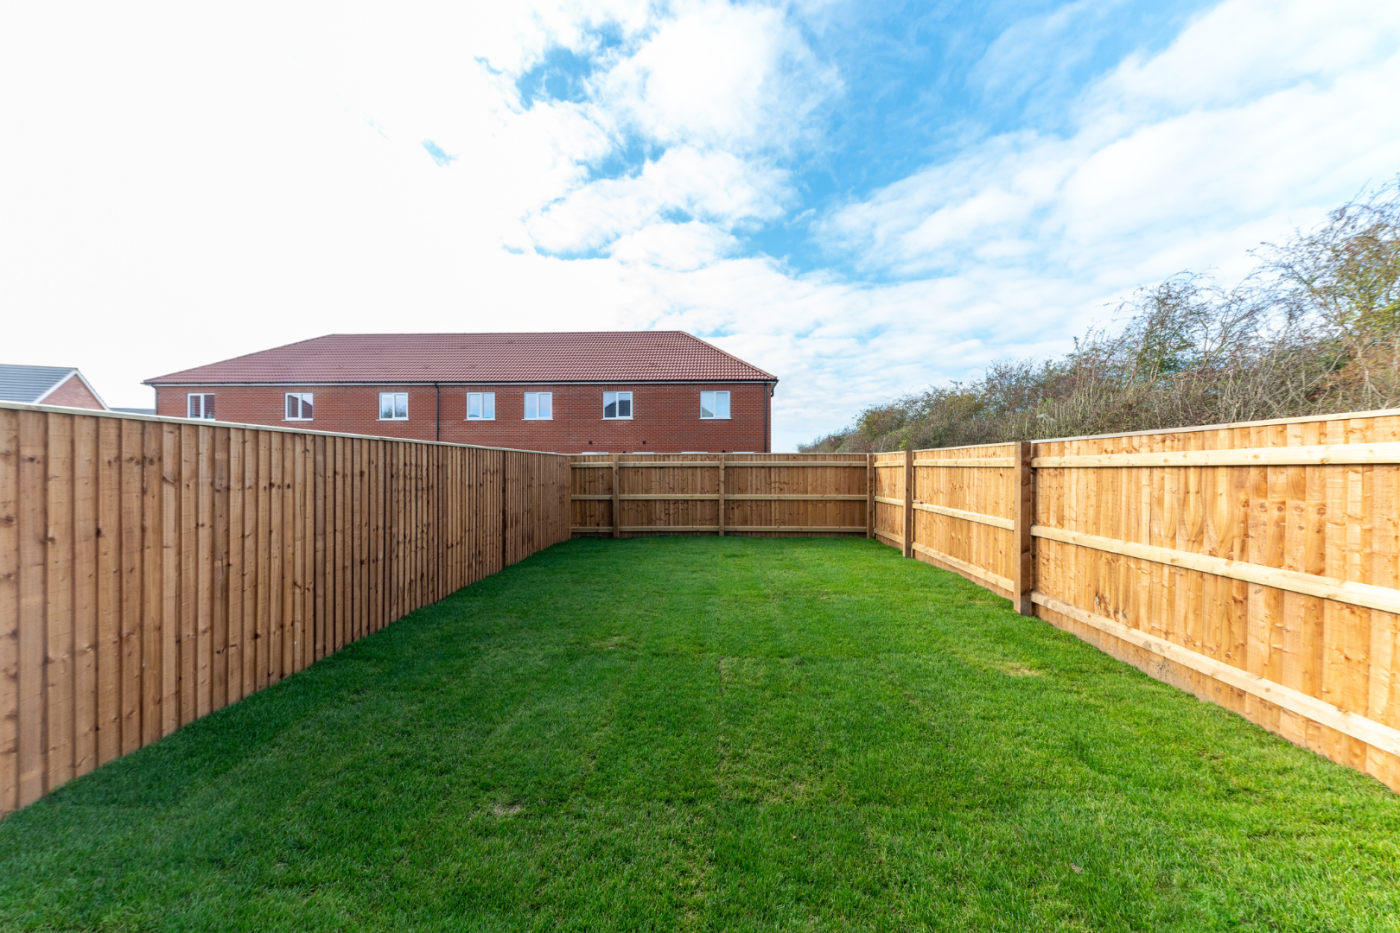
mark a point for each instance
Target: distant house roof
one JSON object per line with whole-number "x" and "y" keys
{"x": 33, "y": 384}
{"x": 606, "y": 356}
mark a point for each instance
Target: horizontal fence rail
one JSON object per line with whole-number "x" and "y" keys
{"x": 154, "y": 570}
{"x": 759, "y": 494}
{"x": 1255, "y": 565}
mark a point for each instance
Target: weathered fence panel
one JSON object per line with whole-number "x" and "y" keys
{"x": 155, "y": 570}
{"x": 1255, "y": 565}
{"x": 761, "y": 495}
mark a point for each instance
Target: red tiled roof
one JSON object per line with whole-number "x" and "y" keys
{"x": 604, "y": 356}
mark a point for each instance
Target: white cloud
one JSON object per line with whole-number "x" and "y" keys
{"x": 1161, "y": 153}
{"x": 675, "y": 247}
{"x": 739, "y": 78}
{"x": 180, "y": 185}
{"x": 714, "y": 187}
{"x": 1242, "y": 50}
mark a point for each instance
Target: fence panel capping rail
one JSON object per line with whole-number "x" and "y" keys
{"x": 154, "y": 570}
{"x": 1255, "y": 565}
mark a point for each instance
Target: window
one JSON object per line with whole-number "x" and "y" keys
{"x": 200, "y": 406}
{"x": 539, "y": 406}
{"x": 298, "y": 406}
{"x": 714, "y": 404}
{"x": 481, "y": 406}
{"x": 393, "y": 406}
{"x": 617, "y": 405}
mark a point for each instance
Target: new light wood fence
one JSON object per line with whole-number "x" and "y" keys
{"x": 766, "y": 495}
{"x": 155, "y": 570}
{"x": 1255, "y": 565}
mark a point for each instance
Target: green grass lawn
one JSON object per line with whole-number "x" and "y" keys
{"x": 718, "y": 734}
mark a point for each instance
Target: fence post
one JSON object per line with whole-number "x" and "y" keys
{"x": 721, "y": 495}
{"x": 1023, "y": 495}
{"x": 909, "y": 503}
{"x": 617, "y": 500}
{"x": 870, "y": 495}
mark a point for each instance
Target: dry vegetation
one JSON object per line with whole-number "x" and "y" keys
{"x": 1314, "y": 329}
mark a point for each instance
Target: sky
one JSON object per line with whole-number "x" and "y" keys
{"x": 863, "y": 199}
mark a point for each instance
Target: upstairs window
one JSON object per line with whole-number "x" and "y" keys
{"x": 200, "y": 405}
{"x": 298, "y": 406}
{"x": 393, "y": 406}
{"x": 539, "y": 406}
{"x": 714, "y": 404}
{"x": 617, "y": 405}
{"x": 481, "y": 406}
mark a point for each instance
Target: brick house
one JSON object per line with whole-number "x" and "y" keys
{"x": 618, "y": 391}
{"x": 48, "y": 385}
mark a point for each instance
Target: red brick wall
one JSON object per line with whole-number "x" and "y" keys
{"x": 666, "y": 418}
{"x": 73, "y": 394}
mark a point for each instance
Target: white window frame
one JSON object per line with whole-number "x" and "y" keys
{"x": 203, "y": 405}
{"x": 486, "y": 404}
{"x": 305, "y": 400}
{"x": 393, "y": 406}
{"x": 714, "y": 405}
{"x": 535, "y": 397}
{"x": 617, "y": 399}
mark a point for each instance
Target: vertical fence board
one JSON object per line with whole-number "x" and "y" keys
{"x": 337, "y": 547}
{"x": 109, "y": 592}
{"x": 32, "y": 526}
{"x": 323, "y": 643}
{"x": 189, "y": 562}
{"x": 232, "y": 590}
{"x": 85, "y": 509}
{"x": 204, "y": 571}
{"x": 218, "y": 595}
{"x": 58, "y": 577}
{"x": 170, "y": 579}
{"x": 152, "y": 583}
{"x": 131, "y": 503}
{"x": 250, "y": 569}
{"x": 300, "y": 541}
{"x": 262, "y": 631}
{"x": 9, "y": 609}
{"x": 277, "y": 529}
{"x": 288, "y": 522}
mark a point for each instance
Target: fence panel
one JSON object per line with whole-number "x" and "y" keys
{"x": 964, "y": 511}
{"x": 155, "y": 570}
{"x": 1242, "y": 564}
{"x": 1254, "y": 565}
{"x": 762, "y": 495}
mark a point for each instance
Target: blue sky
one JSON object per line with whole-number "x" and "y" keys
{"x": 864, "y": 199}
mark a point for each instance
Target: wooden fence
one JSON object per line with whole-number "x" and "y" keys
{"x": 153, "y": 570}
{"x": 1255, "y": 565}
{"x": 630, "y": 495}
